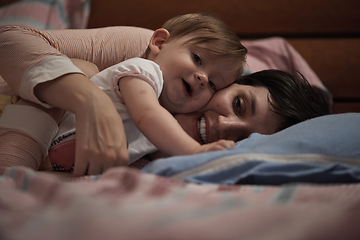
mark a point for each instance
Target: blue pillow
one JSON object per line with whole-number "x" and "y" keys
{"x": 321, "y": 150}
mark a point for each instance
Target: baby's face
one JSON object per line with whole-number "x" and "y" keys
{"x": 192, "y": 74}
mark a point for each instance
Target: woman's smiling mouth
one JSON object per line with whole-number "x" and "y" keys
{"x": 201, "y": 123}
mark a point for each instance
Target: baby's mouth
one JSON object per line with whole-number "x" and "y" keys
{"x": 187, "y": 87}
{"x": 201, "y": 123}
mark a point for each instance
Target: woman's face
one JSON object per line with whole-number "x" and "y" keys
{"x": 233, "y": 113}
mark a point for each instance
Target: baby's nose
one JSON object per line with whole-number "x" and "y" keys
{"x": 202, "y": 78}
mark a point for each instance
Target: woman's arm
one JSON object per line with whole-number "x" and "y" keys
{"x": 99, "y": 146}
{"x": 86, "y": 67}
{"x": 22, "y": 48}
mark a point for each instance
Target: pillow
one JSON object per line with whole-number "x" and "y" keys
{"x": 46, "y": 14}
{"x": 320, "y": 150}
{"x": 277, "y": 53}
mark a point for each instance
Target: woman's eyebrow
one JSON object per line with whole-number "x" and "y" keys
{"x": 253, "y": 103}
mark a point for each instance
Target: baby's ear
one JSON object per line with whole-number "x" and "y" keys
{"x": 159, "y": 37}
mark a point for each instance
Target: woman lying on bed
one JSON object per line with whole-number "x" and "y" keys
{"x": 224, "y": 103}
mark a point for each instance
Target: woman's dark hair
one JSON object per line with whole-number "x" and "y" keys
{"x": 292, "y": 97}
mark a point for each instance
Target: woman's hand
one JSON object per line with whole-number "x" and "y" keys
{"x": 100, "y": 135}
{"x": 100, "y": 139}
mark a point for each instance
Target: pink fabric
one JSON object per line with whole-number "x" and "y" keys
{"x": 103, "y": 47}
{"x": 43, "y": 14}
{"x": 18, "y": 149}
{"x": 125, "y": 204}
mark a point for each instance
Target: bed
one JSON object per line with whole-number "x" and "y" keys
{"x": 300, "y": 183}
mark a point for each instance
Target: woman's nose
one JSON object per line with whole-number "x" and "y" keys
{"x": 226, "y": 127}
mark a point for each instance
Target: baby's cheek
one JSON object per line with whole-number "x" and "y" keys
{"x": 203, "y": 101}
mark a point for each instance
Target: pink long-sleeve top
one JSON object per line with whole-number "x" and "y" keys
{"x": 23, "y": 50}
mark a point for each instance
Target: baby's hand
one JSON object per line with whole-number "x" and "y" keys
{"x": 215, "y": 146}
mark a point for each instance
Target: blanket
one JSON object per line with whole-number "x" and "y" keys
{"x": 126, "y": 204}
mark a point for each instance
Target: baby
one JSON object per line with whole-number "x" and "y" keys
{"x": 190, "y": 58}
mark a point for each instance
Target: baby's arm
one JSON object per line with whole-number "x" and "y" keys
{"x": 157, "y": 124}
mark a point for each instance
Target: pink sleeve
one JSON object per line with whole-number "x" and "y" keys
{"x": 21, "y": 48}
{"x": 19, "y": 149}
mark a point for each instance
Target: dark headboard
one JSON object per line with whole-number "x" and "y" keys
{"x": 325, "y": 32}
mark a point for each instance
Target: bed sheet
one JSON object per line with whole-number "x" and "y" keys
{"x": 126, "y": 204}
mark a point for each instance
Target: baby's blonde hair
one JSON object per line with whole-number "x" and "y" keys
{"x": 223, "y": 41}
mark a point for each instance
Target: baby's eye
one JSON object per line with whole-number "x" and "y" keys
{"x": 212, "y": 85}
{"x": 197, "y": 58}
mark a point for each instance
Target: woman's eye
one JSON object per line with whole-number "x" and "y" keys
{"x": 197, "y": 58}
{"x": 212, "y": 85}
{"x": 237, "y": 106}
